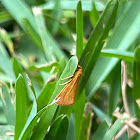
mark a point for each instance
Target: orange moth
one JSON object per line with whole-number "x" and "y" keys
{"x": 68, "y": 93}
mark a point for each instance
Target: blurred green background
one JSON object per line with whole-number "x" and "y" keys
{"x": 42, "y": 42}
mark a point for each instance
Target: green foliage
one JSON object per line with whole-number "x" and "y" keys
{"x": 37, "y": 41}
{"x": 8, "y": 106}
{"x": 100, "y": 132}
{"x": 21, "y": 106}
{"x": 79, "y": 30}
{"x": 58, "y": 129}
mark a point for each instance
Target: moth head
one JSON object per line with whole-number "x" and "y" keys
{"x": 79, "y": 67}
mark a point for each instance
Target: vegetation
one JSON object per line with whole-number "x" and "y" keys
{"x": 40, "y": 42}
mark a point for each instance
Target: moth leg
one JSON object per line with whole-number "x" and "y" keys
{"x": 65, "y": 83}
{"x": 67, "y": 77}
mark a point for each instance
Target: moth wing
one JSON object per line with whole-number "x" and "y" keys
{"x": 68, "y": 93}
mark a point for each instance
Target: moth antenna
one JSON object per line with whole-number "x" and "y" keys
{"x": 84, "y": 58}
{"x": 65, "y": 82}
{"x": 67, "y": 77}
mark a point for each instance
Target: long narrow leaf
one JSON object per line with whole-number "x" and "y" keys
{"x": 79, "y": 30}
{"x": 32, "y": 32}
{"x": 45, "y": 95}
{"x": 58, "y": 129}
{"x": 57, "y": 13}
{"x": 124, "y": 55}
{"x": 95, "y": 42}
{"x": 102, "y": 115}
{"x": 32, "y": 113}
{"x": 94, "y": 15}
{"x": 21, "y": 106}
{"x": 16, "y": 67}
{"x": 80, "y": 103}
{"x": 42, "y": 32}
{"x": 136, "y": 75}
{"x": 32, "y": 124}
{"x": 115, "y": 89}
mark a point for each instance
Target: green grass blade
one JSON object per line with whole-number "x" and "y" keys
{"x": 28, "y": 123}
{"x": 50, "y": 47}
{"x": 115, "y": 127}
{"x": 21, "y": 106}
{"x": 115, "y": 89}
{"x": 121, "y": 39}
{"x": 32, "y": 32}
{"x": 101, "y": 131}
{"x": 71, "y": 132}
{"x": 16, "y": 67}
{"x": 30, "y": 84}
{"x": 136, "y": 80}
{"x": 6, "y": 66}
{"x": 7, "y": 105}
{"x": 40, "y": 21}
{"x": 19, "y": 10}
{"x": 102, "y": 115}
{"x": 59, "y": 54}
{"x": 44, "y": 123}
{"x": 32, "y": 124}
{"x": 32, "y": 113}
{"x": 64, "y": 110}
{"x": 45, "y": 95}
{"x": 95, "y": 42}
{"x": 94, "y": 15}
{"x": 46, "y": 68}
{"x": 85, "y": 124}
{"x": 58, "y": 129}
{"x": 124, "y": 55}
{"x": 80, "y": 103}
{"x": 79, "y": 30}
{"x": 71, "y": 5}
{"x": 18, "y": 70}
{"x": 62, "y": 65}
{"x": 57, "y": 13}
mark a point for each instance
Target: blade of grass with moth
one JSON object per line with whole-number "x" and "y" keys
{"x": 68, "y": 93}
